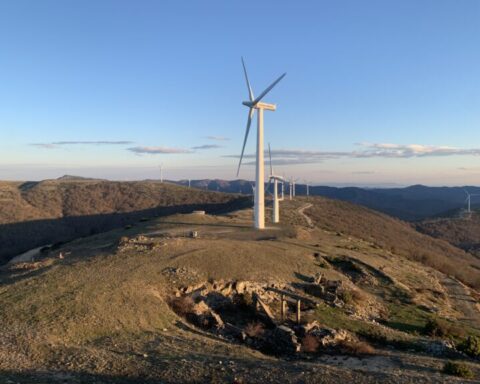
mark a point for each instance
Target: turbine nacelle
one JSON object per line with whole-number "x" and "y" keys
{"x": 260, "y": 105}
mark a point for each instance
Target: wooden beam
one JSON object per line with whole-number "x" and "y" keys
{"x": 283, "y": 307}
{"x": 299, "y": 304}
{"x": 265, "y": 308}
{"x": 292, "y": 295}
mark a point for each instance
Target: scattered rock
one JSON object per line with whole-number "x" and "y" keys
{"x": 440, "y": 348}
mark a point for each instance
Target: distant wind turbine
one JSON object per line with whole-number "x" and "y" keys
{"x": 256, "y": 104}
{"x": 468, "y": 199}
{"x": 294, "y": 183}
{"x": 276, "y": 179}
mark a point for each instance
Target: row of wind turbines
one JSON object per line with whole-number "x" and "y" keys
{"x": 255, "y": 104}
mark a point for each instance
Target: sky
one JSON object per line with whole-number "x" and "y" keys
{"x": 377, "y": 92}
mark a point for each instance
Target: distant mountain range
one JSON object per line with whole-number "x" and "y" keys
{"x": 412, "y": 203}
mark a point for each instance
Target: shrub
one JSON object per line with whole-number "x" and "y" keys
{"x": 356, "y": 348}
{"x": 352, "y": 296}
{"x": 471, "y": 346}
{"x": 182, "y": 305}
{"x": 254, "y": 329}
{"x": 437, "y": 328}
{"x": 310, "y": 344}
{"x": 441, "y": 328}
{"x": 346, "y": 297}
{"x": 457, "y": 369}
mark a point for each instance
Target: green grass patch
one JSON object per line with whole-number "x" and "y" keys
{"x": 407, "y": 318}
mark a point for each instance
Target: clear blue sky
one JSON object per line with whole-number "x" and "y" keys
{"x": 99, "y": 88}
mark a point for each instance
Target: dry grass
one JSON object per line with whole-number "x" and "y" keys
{"x": 356, "y": 348}
{"x": 386, "y": 232}
{"x": 182, "y": 305}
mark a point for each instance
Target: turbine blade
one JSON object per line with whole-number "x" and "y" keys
{"x": 270, "y": 156}
{"x": 249, "y": 123}
{"x": 250, "y": 92}
{"x": 268, "y": 89}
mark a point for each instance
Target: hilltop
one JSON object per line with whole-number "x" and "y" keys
{"x": 138, "y": 303}
{"x": 37, "y": 213}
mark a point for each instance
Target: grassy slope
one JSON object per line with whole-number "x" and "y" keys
{"x": 396, "y": 236}
{"x": 100, "y": 311}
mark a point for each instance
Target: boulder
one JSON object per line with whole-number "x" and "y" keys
{"x": 282, "y": 340}
{"x": 328, "y": 337}
{"x": 314, "y": 290}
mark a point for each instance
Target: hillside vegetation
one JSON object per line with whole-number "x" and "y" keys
{"x": 399, "y": 237}
{"x": 33, "y": 214}
{"x": 461, "y": 231}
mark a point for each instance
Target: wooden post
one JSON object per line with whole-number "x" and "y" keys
{"x": 298, "y": 311}
{"x": 283, "y": 307}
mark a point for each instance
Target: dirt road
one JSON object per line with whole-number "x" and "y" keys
{"x": 301, "y": 211}
{"x": 462, "y": 301}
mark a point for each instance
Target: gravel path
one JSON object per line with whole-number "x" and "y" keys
{"x": 462, "y": 301}
{"x": 301, "y": 211}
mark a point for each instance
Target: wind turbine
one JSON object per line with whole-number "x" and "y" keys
{"x": 256, "y": 104}
{"x": 307, "y": 187}
{"x": 468, "y": 199}
{"x": 161, "y": 173}
{"x": 294, "y": 182}
{"x": 276, "y": 200}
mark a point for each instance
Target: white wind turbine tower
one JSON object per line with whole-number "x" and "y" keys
{"x": 468, "y": 199}
{"x": 276, "y": 200}
{"x": 308, "y": 187}
{"x": 161, "y": 173}
{"x": 256, "y": 104}
{"x": 294, "y": 181}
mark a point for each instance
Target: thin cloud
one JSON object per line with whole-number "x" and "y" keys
{"x": 369, "y": 150}
{"x": 102, "y": 142}
{"x": 469, "y": 169}
{"x": 217, "y": 138}
{"x": 44, "y": 145}
{"x": 411, "y": 150}
{"x": 157, "y": 150}
{"x": 207, "y": 146}
{"x": 57, "y": 144}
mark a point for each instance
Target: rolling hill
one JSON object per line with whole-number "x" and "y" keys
{"x": 414, "y": 203}
{"x": 33, "y": 214}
